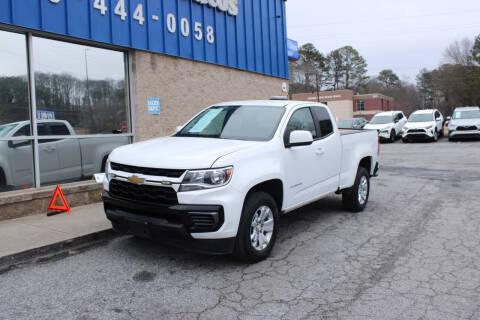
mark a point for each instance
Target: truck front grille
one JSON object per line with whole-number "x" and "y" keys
{"x": 466, "y": 128}
{"x": 171, "y": 173}
{"x": 144, "y": 193}
{"x": 416, "y": 131}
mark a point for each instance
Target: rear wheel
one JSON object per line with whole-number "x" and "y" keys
{"x": 258, "y": 228}
{"x": 393, "y": 135}
{"x": 405, "y": 140}
{"x": 435, "y": 136}
{"x": 355, "y": 198}
{"x": 3, "y": 180}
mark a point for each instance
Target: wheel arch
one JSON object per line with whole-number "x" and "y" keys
{"x": 366, "y": 162}
{"x": 273, "y": 187}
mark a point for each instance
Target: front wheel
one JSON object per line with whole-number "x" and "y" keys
{"x": 355, "y": 198}
{"x": 258, "y": 228}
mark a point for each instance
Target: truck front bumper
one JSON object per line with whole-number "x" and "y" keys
{"x": 173, "y": 224}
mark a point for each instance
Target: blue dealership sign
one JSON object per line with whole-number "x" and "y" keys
{"x": 292, "y": 46}
{"x": 45, "y": 115}
{"x": 243, "y": 34}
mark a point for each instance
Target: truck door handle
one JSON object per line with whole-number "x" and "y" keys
{"x": 319, "y": 151}
{"x": 49, "y": 149}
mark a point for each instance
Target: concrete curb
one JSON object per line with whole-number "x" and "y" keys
{"x": 56, "y": 250}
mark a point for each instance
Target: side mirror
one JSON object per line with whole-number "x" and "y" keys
{"x": 18, "y": 143}
{"x": 396, "y": 120}
{"x": 178, "y": 128}
{"x": 449, "y": 118}
{"x": 299, "y": 138}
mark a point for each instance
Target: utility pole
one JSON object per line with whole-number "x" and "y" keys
{"x": 86, "y": 71}
{"x": 316, "y": 83}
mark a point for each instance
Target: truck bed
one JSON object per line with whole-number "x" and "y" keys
{"x": 344, "y": 132}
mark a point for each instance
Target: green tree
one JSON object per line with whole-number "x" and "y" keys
{"x": 347, "y": 69}
{"x": 310, "y": 62}
{"x": 388, "y": 78}
{"x": 476, "y": 50}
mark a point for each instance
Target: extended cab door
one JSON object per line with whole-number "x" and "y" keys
{"x": 48, "y": 156}
{"x": 328, "y": 148}
{"x": 301, "y": 162}
{"x": 68, "y": 152}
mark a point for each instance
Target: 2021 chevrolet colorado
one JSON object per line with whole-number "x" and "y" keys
{"x": 220, "y": 183}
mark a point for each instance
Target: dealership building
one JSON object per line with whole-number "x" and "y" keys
{"x": 78, "y": 78}
{"x": 344, "y": 104}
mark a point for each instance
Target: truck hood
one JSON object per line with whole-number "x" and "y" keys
{"x": 378, "y": 126}
{"x": 177, "y": 152}
{"x": 418, "y": 125}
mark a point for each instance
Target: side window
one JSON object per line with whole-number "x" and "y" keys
{"x": 324, "y": 121}
{"x": 400, "y": 116}
{"x": 42, "y": 130}
{"x": 59, "y": 129}
{"x": 301, "y": 120}
{"x": 23, "y": 131}
{"x": 437, "y": 114}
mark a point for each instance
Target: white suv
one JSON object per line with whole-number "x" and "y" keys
{"x": 388, "y": 124}
{"x": 423, "y": 125}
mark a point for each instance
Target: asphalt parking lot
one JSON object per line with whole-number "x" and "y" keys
{"x": 414, "y": 253}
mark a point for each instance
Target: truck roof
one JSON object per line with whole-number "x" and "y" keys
{"x": 268, "y": 103}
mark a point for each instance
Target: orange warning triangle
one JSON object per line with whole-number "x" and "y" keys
{"x": 63, "y": 207}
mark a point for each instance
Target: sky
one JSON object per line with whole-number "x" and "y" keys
{"x": 404, "y": 36}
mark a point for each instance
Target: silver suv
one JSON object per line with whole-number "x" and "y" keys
{"x": 465, "y": 123}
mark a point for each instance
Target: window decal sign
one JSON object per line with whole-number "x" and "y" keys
{"x": 153, "y": 105}
{"x": 242, "y": 34}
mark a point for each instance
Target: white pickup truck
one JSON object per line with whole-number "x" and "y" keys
{"x": 61, "y": 159}
{"x": 219, "y": 184}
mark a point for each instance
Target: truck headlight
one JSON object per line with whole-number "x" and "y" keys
{"x": 429, "y": 127}
{"x": 384, "y": 131}
{"x": 206, "y": 179}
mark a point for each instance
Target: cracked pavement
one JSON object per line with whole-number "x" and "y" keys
{"x": 414, "y": 253}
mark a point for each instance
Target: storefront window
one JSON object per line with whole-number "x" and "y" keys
{"x": 82, "y": 110}
{"x": 14, "y": 96}
{"x": 16, "y": 156}
{"x": 84, "y": 86}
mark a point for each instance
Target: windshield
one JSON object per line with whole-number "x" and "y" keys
{"x": 381, "y": 120}
{"x": 5, "y": 129}
{"x": 421, "y": 117}
{"x": 252, "y": 123}
{"x": 469, "y": 114}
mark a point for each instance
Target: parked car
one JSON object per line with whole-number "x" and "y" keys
{"x": 60, "y": 159}
{"x": 388, "y": 124}
{"x": 465, "y": 123}
{"x": 219, "y": 184}
{"x": 423, "y": 125}
{"x": 354, "y": 123}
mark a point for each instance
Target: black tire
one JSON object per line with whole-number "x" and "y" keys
{"x": 350, "y": 196}
{"x": 3, "y": 180}
{"x": 244, "y": 250}
{"x": 451, "y": 139}
{"x": 435, "y": 139}
{"x": 104, "y": 164}
{"x": 393, "y": 136}
{"x": 405, "y": 140}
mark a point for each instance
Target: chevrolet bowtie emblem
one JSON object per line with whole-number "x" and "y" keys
{"x": 136, "y": 180}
